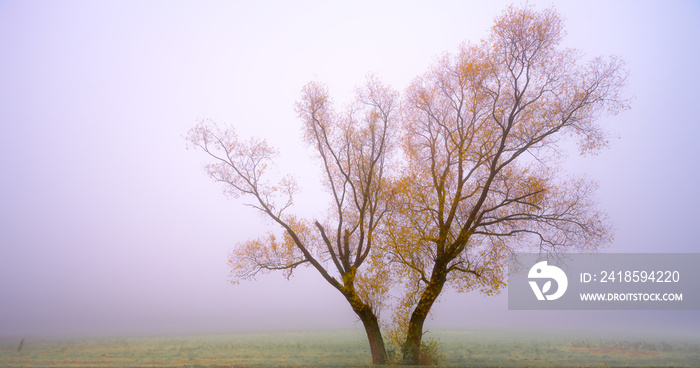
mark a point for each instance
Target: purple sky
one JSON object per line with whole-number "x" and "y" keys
{"x": 109, "y": 226}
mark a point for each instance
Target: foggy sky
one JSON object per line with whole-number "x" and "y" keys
{"x": 109, "y": 226}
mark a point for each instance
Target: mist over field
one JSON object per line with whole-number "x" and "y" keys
{"x": 110, "y": 227}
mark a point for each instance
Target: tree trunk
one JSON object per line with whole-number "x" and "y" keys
{"x": 374, "y": 335}
{"x": 411, "y": 348}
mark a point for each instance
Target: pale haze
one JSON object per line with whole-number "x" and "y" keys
{"x": 110, "y": 226}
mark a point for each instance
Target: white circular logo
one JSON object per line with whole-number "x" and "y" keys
{"x": 543, "y": 271}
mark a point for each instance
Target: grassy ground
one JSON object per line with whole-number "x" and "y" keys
{"x": 349, "y": 348}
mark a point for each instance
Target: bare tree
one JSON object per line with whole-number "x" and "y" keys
{"x": 354, "y": 150}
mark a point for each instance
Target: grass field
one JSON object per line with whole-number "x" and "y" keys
{"x": 349, "y": 349}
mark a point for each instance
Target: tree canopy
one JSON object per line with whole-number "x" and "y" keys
{"x": 437, "y": 188}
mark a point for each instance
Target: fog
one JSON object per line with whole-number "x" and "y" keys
{"x": 109, "y": 226}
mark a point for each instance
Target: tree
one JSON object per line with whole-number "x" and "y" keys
{"x": 354, "y": 149}
{"x": 482, "y": 178}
